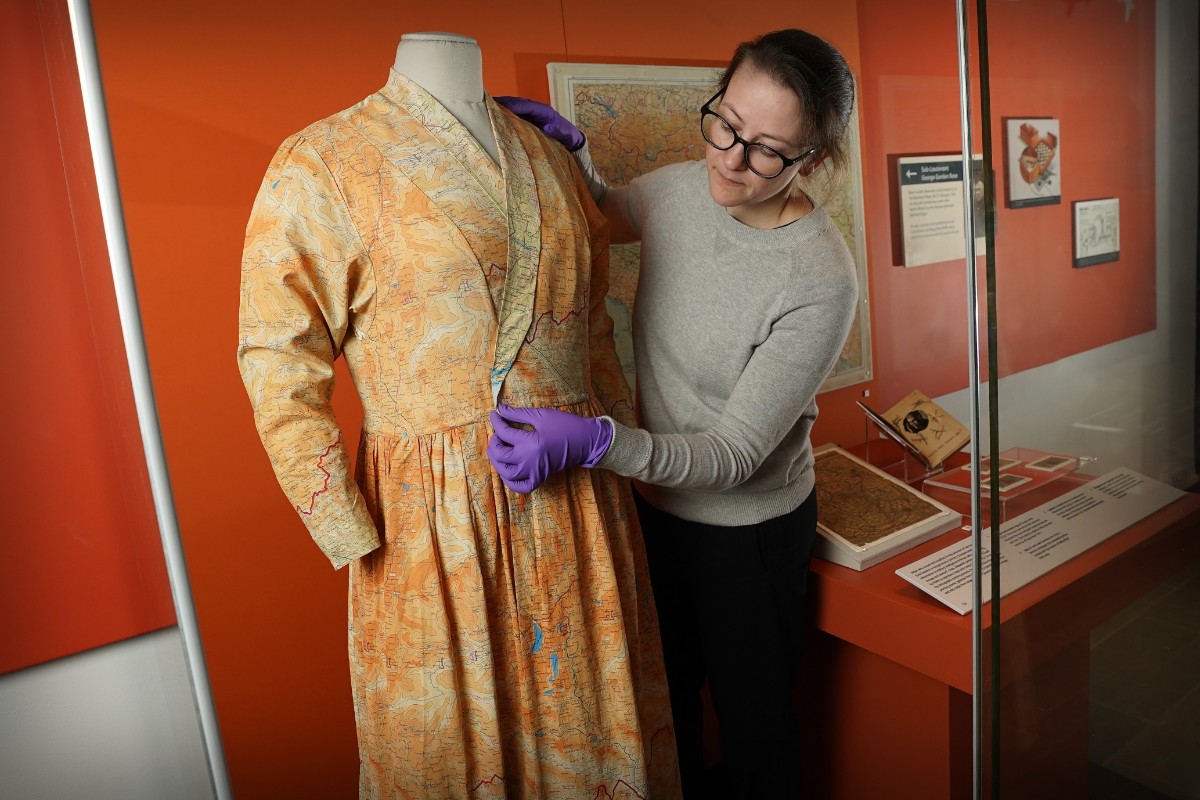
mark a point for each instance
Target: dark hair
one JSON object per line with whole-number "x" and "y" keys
{"x": 816, "y": 73}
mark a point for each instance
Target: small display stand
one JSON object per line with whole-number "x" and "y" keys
{"x": 888, "y": 450}
{"x": 899, "y": 462}
{"x": 1022, "y": 471}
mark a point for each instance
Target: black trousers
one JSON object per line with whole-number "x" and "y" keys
{"x": 731, "y": 611}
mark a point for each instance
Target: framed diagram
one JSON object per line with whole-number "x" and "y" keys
{"x": 1033, "y": 161}
{"x": 638, "y": 118}
{"x": 1097, "y": 229}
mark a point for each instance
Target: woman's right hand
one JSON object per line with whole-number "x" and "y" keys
{"x": 525, "y": 458}
{"x": 549, "y": 121}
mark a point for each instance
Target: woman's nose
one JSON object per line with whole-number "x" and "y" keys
{"x": 735, "y": 157}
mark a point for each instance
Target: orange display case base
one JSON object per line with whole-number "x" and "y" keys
{"x": 887, "y": 697}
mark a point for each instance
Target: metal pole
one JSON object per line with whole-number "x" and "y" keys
{"x": 964, "y": 88}
{"x": 143, "y": 390}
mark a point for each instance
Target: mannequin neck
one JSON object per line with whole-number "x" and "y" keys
{"x": 447, "y": 65}
{"x": 450, "y": 68}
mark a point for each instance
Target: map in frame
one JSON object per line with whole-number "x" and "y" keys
{"x": 866, "y": 516}
{"x": 638, "y": 118}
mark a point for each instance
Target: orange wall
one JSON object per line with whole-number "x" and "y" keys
{"x": 200, "y": 95}
{"x": 1086, "y": 65}
{"x": 81, "y": 564}
{"x": 1078, "y": 62}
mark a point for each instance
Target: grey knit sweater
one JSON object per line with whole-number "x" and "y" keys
{"x": 735, "y": 328}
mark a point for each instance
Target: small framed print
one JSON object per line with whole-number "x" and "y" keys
{"x": 1008, "y": 481}
{"x": 1051, "y": 463}
{"x": 1097, "y": 225}
{"x": 985, "y": 464}
{"x": 1033, "y": 161}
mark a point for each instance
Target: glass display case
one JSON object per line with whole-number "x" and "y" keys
{"x": 1091, "y": 354}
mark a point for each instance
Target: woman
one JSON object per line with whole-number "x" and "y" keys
{"x": 745, "y": 297}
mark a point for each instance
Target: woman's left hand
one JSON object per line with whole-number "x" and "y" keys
{"x": 524, "y": 459}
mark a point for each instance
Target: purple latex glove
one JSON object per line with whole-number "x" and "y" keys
{"x": 550, "y": 122}
{"x": 524, "y": 459}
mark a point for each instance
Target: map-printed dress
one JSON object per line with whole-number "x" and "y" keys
{"x": 501, "y": 645}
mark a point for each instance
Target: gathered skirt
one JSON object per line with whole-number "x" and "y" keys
{"x": 503, "y": 645}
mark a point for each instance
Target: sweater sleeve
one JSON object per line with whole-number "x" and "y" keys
{"x": 778, "y": 385}
{"x": 647, "y": 191}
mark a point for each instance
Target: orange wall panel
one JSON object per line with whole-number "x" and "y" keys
{"x": 1078, "y": 62}
{"x": 1093, "y": 70}
{"x": 909, "y": 104}
{"x": 81, "y": 562}
{"x": 199, "y": 99}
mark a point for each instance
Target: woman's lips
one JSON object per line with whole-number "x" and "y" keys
{"x": 726, "y": 180}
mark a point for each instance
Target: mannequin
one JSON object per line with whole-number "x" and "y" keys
{"x": 450, "y": 67}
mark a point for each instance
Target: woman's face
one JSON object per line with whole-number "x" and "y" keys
{"x": 761, "y": 111}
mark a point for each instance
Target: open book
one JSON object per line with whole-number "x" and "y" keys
{"x": 922, "y": 427}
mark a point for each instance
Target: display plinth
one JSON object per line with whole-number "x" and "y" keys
{"x": 885, "y": 651}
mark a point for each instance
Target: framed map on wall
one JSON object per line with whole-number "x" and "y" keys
{"x": 639, "y": 118}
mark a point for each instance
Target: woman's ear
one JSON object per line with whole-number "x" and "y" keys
{"x": 812, "y": 163}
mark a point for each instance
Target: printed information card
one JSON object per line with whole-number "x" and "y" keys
{"x": 1040, "y": 540}
{"x": 931, "y": 208}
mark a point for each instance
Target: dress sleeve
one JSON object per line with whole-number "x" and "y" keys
{"x": 775, "y": 389}
{"x": 302, "y": 259}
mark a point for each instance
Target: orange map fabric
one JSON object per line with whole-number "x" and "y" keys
{"x": 501, "y": 645}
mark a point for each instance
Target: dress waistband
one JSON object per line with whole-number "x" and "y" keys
{"x": 399, "y": 428}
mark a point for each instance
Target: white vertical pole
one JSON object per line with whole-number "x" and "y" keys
{"x": 143, "y": 390}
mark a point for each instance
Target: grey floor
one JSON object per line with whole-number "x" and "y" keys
{"x": 1145, "y": 697}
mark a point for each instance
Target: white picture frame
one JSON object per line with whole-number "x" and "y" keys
{"x": 1096, "y": 225}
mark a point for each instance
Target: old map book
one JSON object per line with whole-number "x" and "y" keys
{"x": 922, "y": 427}
{"x": 865, "y": 515}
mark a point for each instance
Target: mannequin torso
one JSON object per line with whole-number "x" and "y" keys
{"x": 450, "y": 67}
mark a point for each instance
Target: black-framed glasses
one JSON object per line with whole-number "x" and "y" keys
{"x": 760, "y": 159}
